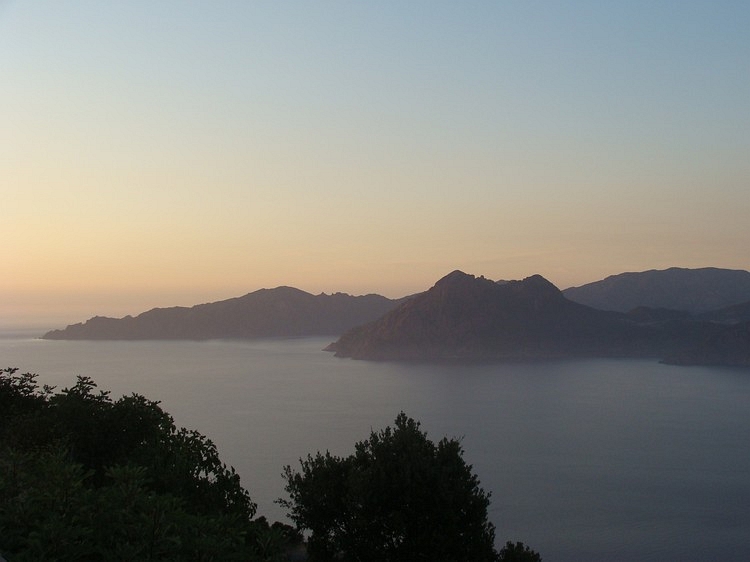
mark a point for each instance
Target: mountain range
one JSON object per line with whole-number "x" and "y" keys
{"x": 279, "y": 312}
{"x": 667, "y": 314}
{"x": 467, "y": 317}
{"x": 463, "y": 317}
{"x": 692, "y": 290}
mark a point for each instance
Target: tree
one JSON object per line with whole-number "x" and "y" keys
{"x": 398, "y": 497}
{"x": 83, "y": 477}
{"x": 518, "y": 552}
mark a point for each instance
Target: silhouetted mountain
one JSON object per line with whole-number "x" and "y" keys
{"x": 729, "y": 315}
{"x": 728, "y": 346}
{"x": 725, "y": 339}
{"x": 646, "y": 315}
{"x": 283, "y": 311}
{"x": 693, "y": 290}
{"x": 466, "y": 317}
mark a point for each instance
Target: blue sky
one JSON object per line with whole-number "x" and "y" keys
{"x": 162, "y": 153}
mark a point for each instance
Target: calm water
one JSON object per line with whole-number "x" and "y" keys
{"x": 586, "y": 460}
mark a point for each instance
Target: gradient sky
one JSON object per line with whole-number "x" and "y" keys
{"x": 170, "y": 153}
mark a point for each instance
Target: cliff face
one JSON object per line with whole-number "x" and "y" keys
{"x": 463, "y": 316}
{"x": 280, "y": 312}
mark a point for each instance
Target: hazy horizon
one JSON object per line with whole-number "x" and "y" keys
{"x": 121, "y": 305}
{"x": 165, "y": 154}
{"x": 107, "y": 307}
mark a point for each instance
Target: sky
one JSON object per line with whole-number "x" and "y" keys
{"x": 177, "y": 152}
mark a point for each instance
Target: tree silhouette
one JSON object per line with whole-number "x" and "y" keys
{"x": 398, "y": 497}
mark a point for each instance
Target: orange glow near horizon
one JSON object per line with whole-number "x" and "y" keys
{"x": 146, "y": 165}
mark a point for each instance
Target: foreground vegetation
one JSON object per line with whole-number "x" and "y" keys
{"x": 84, "y": 477}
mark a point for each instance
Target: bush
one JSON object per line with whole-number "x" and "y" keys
{"x": 398, "y": 497}
{"x": 83, "y": 477}
{"x": 518, "y": 552}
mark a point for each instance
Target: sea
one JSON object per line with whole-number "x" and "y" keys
{"x": 585, "y": 460}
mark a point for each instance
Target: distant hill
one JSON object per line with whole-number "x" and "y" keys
{"x": 279, "y": 312}
{"x": 472, "y": 318}
{"x": 692, "y": 290}
{"x": 467, "y": 317}
{"x": 734, "y": 314}
{"x": 730, "y": 346}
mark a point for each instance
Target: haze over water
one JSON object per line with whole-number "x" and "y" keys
{"x": 586, "y": 460}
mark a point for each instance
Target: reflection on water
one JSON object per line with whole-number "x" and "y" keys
{"x": 586, "y": 460}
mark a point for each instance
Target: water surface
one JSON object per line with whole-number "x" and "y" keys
{"x": 585, "y": 460}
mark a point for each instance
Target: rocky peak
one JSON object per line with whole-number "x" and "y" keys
{"x": 455, "y": 278}
{"x": 538, "y": 286}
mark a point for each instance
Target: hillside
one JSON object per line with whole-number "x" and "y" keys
{"x": 729, "y": 346}
{"x": 692, "y": 290}
{"x": 465, "y": 317}
{"x": 279, "y": 312}
{"x": 730, "y": 315}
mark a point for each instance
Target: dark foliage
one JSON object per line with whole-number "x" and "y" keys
{"x": 398, "y": 497}
{"x": 87, "y": 478}
{"x": 83, "y": 477}
{"x": 518, "y": 552}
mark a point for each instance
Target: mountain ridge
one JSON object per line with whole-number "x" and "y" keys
{"x": 694, "y": 290}
{"x": 467, "y": 317}
{"x": 463, "y": 316}
{"x": 280, "y": 312}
